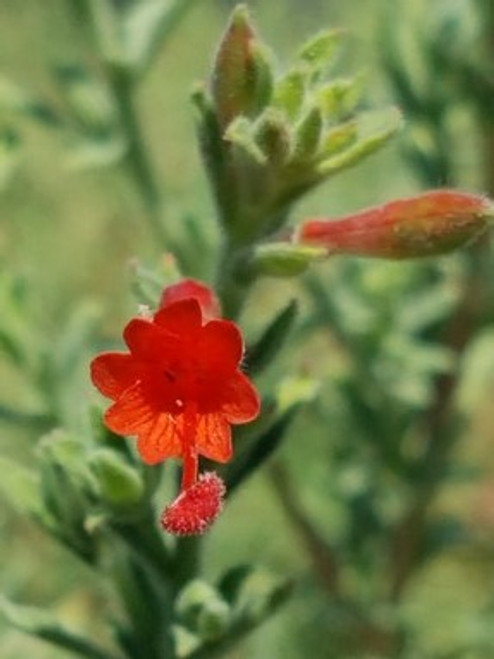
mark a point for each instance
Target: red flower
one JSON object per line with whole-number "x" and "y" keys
{"x": 191, "y": 288}
{"x": 180, "y": 386}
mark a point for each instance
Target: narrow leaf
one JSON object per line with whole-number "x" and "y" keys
{"x": 37, "y": 622}
{"x": 260, "y": 451}
{"x": 262, "y": 353}
{"x": 320, "y": 50}
{"x": 364, "y": 147}
{"x": 21, "y": 488}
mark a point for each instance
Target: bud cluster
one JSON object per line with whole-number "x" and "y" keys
{"x": 267, "y": 138}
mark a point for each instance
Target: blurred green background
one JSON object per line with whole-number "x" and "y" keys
{"x": 70, "y": 233}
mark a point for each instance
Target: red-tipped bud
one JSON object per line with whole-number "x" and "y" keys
{"x": 234, "y": 74}
{"x": 196, "y": 508}
{"x": 191, "y": 288}
{"x": 428, "y": 224}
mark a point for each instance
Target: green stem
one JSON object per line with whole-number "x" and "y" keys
{"x": 144, "y": 540}
{"x": 488, "y": 120}
{"x": 187, "y": 560}
{"x": 322, "y": 555}
{"x": 136, "y": 159}
{"x": 233, "y": 280}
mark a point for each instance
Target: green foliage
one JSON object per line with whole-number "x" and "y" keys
{"x": 372, "y": 382}
{"x": 38, "y": 622}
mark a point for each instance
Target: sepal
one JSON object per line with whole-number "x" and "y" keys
{"x": 285, "y": 259}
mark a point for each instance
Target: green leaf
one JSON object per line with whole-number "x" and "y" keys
{"x": 319, "y": 51}
{"x": 107, "y": 20}
{"x": 68, "y": 489}
{"x": 296, "y": 390}
{"x": 256, "y": 596}
{"x": 119, "y": 484}
{"x": 20, "y": 487}
{"x": 147, "y": 283}
{"x": 186, "y": 643}
{"x": 339, "y": 98}
{"x": 253, "y": 593}
{"x": 362, "y": 148}
{"x": 37, "y": 622}
{"x": 88, "y": 100}
{"x": 75, "y": 338}
{"x": 289, "y": 92}
{"x": 93, "y": 153}
{"x": 264, "y": 77}
{"x": 146, "y": 27}
{"x": 262, "y": 353}
{"x": 16, "y": 99}
{"x": 272, "y": 134}
{"x": 232, "y": 580}
{"x": 261, "y": 449}
{"x": 241, "y": 133}
{"x": 338, "y": 138}
{"x": 307, "y": 135}
{"x": 9, "y": 155}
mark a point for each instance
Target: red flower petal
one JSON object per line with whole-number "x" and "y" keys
{"x": 214, "y": 437}
{"x": 162, "y": 440}
{"x": 159, "y": 434}
{"x": 114, "y": 372}
{"x": 180, "y": 317}
{"x": 131, "y": 413}
{"x": 242, "y": 402}
{"x": 220, "y": 346}
{"x": 196, "y": 508}
{"x": 191, "y": 288}
{"x": 146, "y": 340}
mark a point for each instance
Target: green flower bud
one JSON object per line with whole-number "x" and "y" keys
{"x": 201, "y": 608}
{"x": 272, "y": 134}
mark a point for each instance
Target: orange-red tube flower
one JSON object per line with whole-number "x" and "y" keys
{"x": 431, "y": 223}
{"x": 180, "y": 387}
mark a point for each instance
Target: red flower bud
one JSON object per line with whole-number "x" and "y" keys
{"x": 428, "y": 224}
{"x": 196, "y": 508}
{"x": 192, "y": 289}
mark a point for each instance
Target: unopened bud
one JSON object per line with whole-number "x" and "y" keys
{"x": 272, "y": 134}
{"x": 241, "y": 79}
{"x": 187, "y": 289}
{"x": 429, "y": 224}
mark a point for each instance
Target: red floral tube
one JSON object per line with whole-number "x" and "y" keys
{"x": 428, "y": 224}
